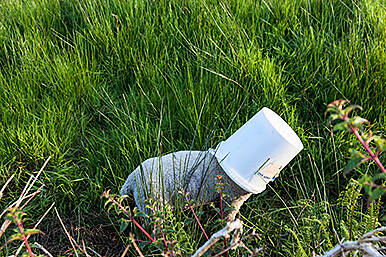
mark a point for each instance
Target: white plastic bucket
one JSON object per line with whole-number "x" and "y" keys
{"x": 256, "y": 153}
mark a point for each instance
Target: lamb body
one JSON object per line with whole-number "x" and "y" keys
{"x": 195, "y": 172}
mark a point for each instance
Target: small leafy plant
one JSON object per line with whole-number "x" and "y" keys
{"x": 16, "y": 216}
{"x": 164, "y": 227}
{"x": 374, "y": 145}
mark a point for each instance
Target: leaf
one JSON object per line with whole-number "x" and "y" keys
{"x": 380, "y": 142}
{"x": 352, "y": 164}
{"x": 10, "y": 217}
{"x": 228, "y": 209}
{"x": 14, "y": 237}
{"x": 341, "y": 126}
{"x": 356, "y": 158}
{"x": 29, "y": 232}
{"x": 337, "y": 104}
{"x": 106, "y": 194}
{"x": 169, "y": 230}
{"x": 107, "y": 202}
{"x": 379, "y": 176}
{"x": 351, "y": 108}
{"x": 358, "y": 121}
{"x": 141, "y": 214}
{"x": 110, "y": 207}
{"x": 123, "y": 226}
{"x": 122, "y": 198}
{"x": 334, "y": 117}
{"x": 377, "y": 193}
{"x": 20, "y": 215}
{"x": 356, "y": 154}
{"x": 188, "y": 221}
{"x": 142, "y": 245}
{"x": 333, "y": 110}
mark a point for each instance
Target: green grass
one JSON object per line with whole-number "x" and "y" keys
{"x": 100, "y": 94}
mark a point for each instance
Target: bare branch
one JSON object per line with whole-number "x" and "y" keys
{"x": 365, "y": 245}
{"x": 236, "y": 224}
{"x": 369, "y": 234}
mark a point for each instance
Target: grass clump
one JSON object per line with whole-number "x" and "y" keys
{"x": 102, "y": 85}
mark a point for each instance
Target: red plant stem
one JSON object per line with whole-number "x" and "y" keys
{"x": 375, "y": 185}
{"x": 221, "y": 211}
{"x": 133, "y": 220}
{"x": 163, "y": 236}
{"x": 195, "y": 216}
{"x": 222, "y": 217}
{"x": 366, "y": 146}
{"x": 24, "y": 238}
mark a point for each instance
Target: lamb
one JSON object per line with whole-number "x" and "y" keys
{"x": 247, "y": 161}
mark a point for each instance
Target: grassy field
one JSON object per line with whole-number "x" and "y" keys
{"x": 101, "y": 85}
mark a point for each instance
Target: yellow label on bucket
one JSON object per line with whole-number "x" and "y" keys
{"x": 271, "y": 169}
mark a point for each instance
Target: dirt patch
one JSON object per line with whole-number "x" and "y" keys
{"x": 103, "y": 239}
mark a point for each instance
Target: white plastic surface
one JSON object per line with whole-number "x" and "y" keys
{"x": 256, "y": 153}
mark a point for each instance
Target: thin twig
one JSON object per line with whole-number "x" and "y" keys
{"x": 42, "y": 248}
{"x": 84, "y": 248}
{"x": 375, "y": 185}
{"x": 126, "y": 250}
{"x": 97, "y": 254}
{"x": 135, "y": 245}
{"x": 5, "y": 185}
{"x": 196, "y": 218}
{"x": 31, "y": 196}
{"x": 4, "y": 227}
{"x": 23, "y": 195}
{"x": 65, "y": 230}
{"x": 17, "y": 203}
{"x": 373, "y": 232}
{"x": 37, "y": 176}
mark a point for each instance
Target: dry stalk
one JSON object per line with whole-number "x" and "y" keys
{"x": 43, "y": 249}
{"x": 72, "y": 240}
{"x": 97, "y": 254}
{"x": 65, "y": 230}
{"x": 24, "y": 195}
{"x": 135, "y": 245}
{"x": 5, "y": 185}
{"x": 125, "y": 251}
